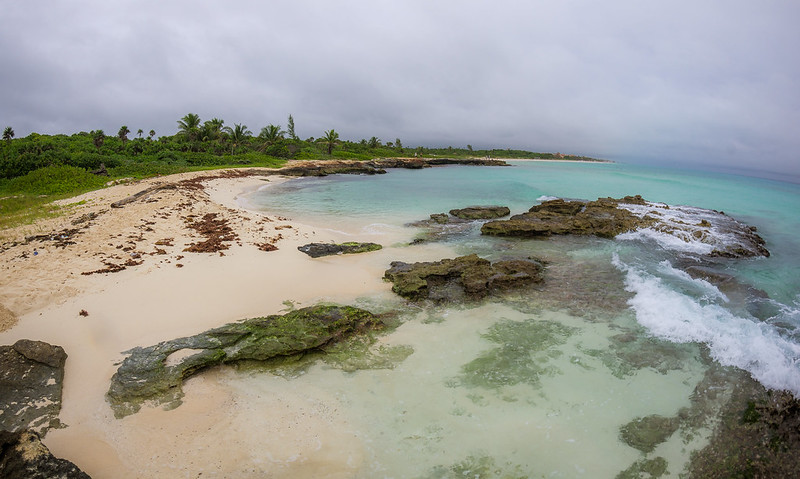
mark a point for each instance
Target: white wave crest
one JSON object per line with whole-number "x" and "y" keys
{"x": 733, "y": 341}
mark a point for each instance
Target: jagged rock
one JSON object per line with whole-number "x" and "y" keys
{"x": 704, "y": 232}
{"x": 315, "y": 250}
{"x": 465, "y": 277}
{"x": 481, "y": 212}
{"x": 645, "y": 433}
{"x": 156, "y": 373}
{"x": 31, "y": 378}
{"x": 558, "y": 217}
{"x": 23, "y": 456}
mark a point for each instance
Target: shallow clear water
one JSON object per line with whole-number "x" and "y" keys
{"x": 543, "y": 385}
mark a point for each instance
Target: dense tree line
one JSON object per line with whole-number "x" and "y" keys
{"x": 199, "y": 143}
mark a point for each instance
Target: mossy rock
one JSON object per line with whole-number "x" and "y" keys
{"x": 645, "y": 433}
{"x": 156, "y": 373}
{"x": 462, "y": 278}
{"x": 316, "y": 250}
{"x": 481, "y": 212}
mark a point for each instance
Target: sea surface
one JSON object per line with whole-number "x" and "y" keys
{"x": 554, "y": 382}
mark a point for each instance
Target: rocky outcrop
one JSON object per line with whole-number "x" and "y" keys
{"x": 316, "y": 250}
{"x": 23, "y": 456}
{"x": 463, "y": 278}
{"x": 156, "y": 373}
{"x": 373, "y": 167}
{"x": 31, "y": 378}
{"x": 481, "y": 212}
{"x": 558, "y": 217}
{"x": 698, "y": 231}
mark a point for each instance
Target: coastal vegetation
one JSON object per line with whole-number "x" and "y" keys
{"x": 38, "y": 168}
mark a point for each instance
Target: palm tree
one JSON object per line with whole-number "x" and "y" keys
{"x": 140, "y": 133}
{"x": 374, "y": 142}
{"x": 8, "y": 133}
{"x": 237, "y": 134}
{"x": 123, "y": 134}
{"x": 212, "y": 129}
{"x": 290, "y": 128}
{"x": 98, "y": 137}
{"x": 189, "y": 126}
{"x": 331, "y": 139}
{"x": 398, "y": 144}
{"x": 152, "y": 134}
{"x": 271, "y": 134}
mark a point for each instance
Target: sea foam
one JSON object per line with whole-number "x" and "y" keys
{"x": 756, "y": 347}
{"x": 686, "y": 229}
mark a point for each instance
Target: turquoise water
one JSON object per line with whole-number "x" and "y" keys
{"x": 544, "y": 384}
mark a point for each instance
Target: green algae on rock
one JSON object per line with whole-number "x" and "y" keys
{"x": 462, "y": 278}
{"x": 156, "y": 373}
{"x": 645, "y": 433}
{"x": 481, "y": 212}
{"x": 316, "y": 250}
{"x": 601, "y": 218}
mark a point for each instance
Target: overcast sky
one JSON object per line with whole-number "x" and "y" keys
{"x": 684, "y": 82}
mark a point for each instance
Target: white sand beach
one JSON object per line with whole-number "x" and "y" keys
{"x": 225, "y": 428}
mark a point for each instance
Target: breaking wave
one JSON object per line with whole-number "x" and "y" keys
{"x": 746, "y": 343}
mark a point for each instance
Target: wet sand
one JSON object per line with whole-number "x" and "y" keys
{"x": 165, "y": 292}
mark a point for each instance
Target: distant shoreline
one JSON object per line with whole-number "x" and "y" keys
{"x": 554, "y": 160}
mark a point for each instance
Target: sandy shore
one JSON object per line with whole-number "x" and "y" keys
{"x": 55, "y": 288}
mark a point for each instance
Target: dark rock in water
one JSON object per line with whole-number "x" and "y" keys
{"x": 558, "y": 217}
{"x": 31, "y": 378}
{"x": 315, "y": 250}
{"x": 480, "y": 212}
{"x": 465, "y": 277}
{"x": 440, "y": 218}
{"x": 698, "y": 231}
{"x": 23, "y": 456}
{"x": 156, "y": 373}
{"x": 645, "y": 433}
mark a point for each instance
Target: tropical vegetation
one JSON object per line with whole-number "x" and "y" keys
{"x": 46, "y": 166}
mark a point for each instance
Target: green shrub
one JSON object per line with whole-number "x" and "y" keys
{"x": 55, "y": 180}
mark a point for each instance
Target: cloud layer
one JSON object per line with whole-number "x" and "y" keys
{"x": 680, "y": 82}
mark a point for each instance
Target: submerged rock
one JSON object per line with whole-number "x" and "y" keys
{"x": 465, "y": 277}
{"x": 645, "y": 433}
{"x": 681, "y": 228}
{"x": 31, "y": 378}
{"x": 316, "y": 250}
{"x": 481, "y": 212}
{"x": 23, "y": 456}
{"x": 156, "y": 373}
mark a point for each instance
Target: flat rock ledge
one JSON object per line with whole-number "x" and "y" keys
{"x": 23, "y": 456}
{"x": 316, "y": 250}
{"x": 155, "y": 374}
{"x": 481, "y": 212}
{"x": 462, "y": 278}
{"x": 713, "y": 233}
{"x": 31, "y": 379}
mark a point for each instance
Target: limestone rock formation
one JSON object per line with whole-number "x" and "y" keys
{"x": 683, "y": 228}
{"x": 465, "y": 277}
{"x": 558, "y": 217}
{"x": 156, "y": 373}
{"x": 481, "y": 212}
{"x": 23, "y": 456}
{"x": 315, "y": 250}
{"x": 31, "y": 378}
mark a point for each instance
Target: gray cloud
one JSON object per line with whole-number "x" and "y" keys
{"x": 711, "y": 83}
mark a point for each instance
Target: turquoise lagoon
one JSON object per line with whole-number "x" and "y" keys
{"x": 549, "y": 383}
